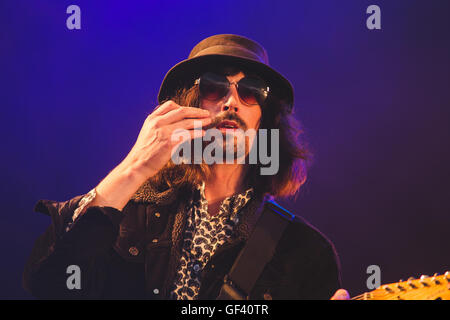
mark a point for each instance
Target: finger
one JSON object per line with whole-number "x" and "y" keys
{"x": 180, "y": 136}
{"x": 341, "y": 294}
{"x": 178, "y": 152}
{"x": 165, "y": 107}
{"x": 182, "y": 113}
{"x": 196, "y": 133}
{"x": 191, "y": 123}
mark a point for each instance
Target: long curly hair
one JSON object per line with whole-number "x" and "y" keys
{"x": 294, "y": 156}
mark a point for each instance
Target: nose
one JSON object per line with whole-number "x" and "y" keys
{"x": 231, "y": 102}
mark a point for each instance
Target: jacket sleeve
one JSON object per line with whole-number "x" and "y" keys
{"x": 87, "y": 245}
{"x": 317, "y": 267}
{"x": 323, "y": 275}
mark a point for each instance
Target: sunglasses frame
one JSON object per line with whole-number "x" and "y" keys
{"x": 265, "y": 90}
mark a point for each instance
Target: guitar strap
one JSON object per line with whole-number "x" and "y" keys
{"x": 257, "y": 252}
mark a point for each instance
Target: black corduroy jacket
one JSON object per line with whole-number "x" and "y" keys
{"x": 134, "y": 254}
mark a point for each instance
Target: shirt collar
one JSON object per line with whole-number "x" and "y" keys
{"x": 230, "y": 205}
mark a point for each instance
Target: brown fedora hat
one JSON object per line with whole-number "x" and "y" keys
{"x": 230, "y": 49}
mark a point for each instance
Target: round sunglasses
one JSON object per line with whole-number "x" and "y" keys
{"x": 214, "y": 87}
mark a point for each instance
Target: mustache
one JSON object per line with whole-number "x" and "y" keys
{"x": 232, "y": 116}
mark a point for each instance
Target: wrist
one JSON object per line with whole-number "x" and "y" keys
{"x": 135, "y": 170}
{"x": 118, "y": 186}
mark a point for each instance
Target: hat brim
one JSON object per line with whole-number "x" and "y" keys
{"x": 190, "y": 69}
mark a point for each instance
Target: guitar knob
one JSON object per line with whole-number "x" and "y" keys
{"x": 389, "y": 290}
{"x": 436, "y": 281}
{"x": 399, "y": 287}
{"x": 410, "y": 283}
{"x": 422, "y": 280}
{"x": 447, "y": 276}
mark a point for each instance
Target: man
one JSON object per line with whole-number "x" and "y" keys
{"x": 160, "y": 230}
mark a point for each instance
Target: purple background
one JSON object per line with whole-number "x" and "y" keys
{"x": 375, "y": 106}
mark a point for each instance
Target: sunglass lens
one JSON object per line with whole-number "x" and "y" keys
{"x": 213, "y": 87}
{"x": 252, "y": 91}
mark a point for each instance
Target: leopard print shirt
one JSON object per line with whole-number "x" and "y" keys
{"x": 203, "y": 235}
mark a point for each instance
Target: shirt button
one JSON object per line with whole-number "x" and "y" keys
{"x": 155, "y": 240}
{"x": 156, "y": 291}
{"x": 133, "y": 251}
{"x": 196, "y": 267}
{"x": 157, "y": 214}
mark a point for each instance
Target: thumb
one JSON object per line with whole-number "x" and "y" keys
{"x": 341, "y": 294}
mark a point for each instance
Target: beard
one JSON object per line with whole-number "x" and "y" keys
{"x": 234, "y": 143}
{"x": 234, "y": 146}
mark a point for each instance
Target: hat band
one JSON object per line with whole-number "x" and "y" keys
{"x": 238, "y": 52}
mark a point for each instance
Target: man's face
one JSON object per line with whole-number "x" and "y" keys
{"x": 232, "y": 112}
{"x": 248, "y": 116}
